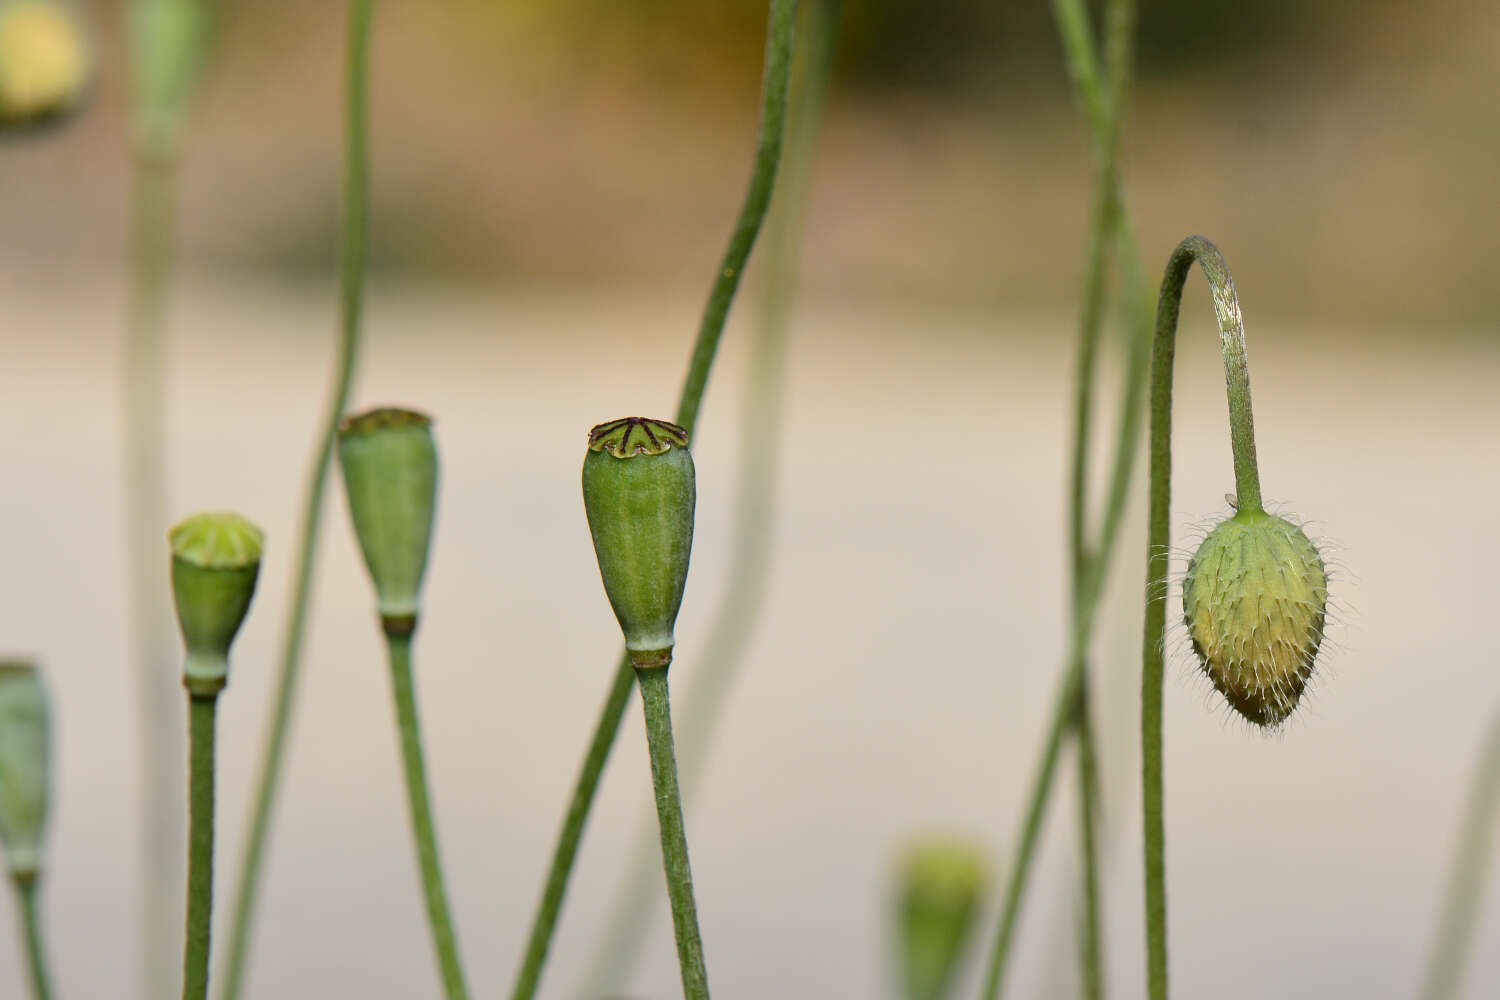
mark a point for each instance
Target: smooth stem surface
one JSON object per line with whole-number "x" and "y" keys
{"x": 1091, "y": 945}
{"x": 153, "y": 197}
{"x": 674, "y": 850}
{"x": 356, "y": 227}
{"x": 1153, "y": 666}
{"x": 36, "y": 954}
{"x": 754, "y": 506}
{"x": 775, "y": 84}
{"x": 566, "y": 849}
{"x": 774, "y": 88}
{"x": 424, "y": 833}
{"x": 1467, "y": 878}
{"x": 202, "y": 710}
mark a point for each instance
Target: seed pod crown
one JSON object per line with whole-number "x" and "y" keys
{"x": 215, "y": 565}
{"x": 1254, "y": 601}
{"x": 639, "y": 492}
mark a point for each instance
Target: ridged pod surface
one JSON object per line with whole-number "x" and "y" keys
{"x": 639, "y": 492}
{"x": 1254, "y": 600}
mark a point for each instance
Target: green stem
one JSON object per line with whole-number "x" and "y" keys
{"x": 774, "y": 89}
{"x": 36, "y": 960}
{"x": 760, "y": 425}
{"x": 1467, "y": 878}
{"x": 1242, "y": 435}
{"x": 355, "y": 242}
{"x": 153, "y": 198}
{"x": 775, "y": 84}
{"x": 444, "y": 941}
{"x": 1091, "y": 946}
{"x": 202, "y": 710}
{"x": 674, "y": 851}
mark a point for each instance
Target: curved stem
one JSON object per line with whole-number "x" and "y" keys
{"x": 355, "y": 241}
{"x": 674, "y": 850}
{"x": 36, "y": 954}
{"x": 1242, "y": 435}
{"x": 1466, "y": 879}
{"x": 760, "y": 424}
{"x": 762, "y": 180}
{"x": 444, "y": 941}
{"x": 202, "y": 710}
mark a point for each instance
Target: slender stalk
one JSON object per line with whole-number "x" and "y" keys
{"x": 202, "y": 710}
{"x": 354, "y": 250}
{"x": 1247, "y": 481}
{"x": 444, "y": 941}
{"x": 152, "y": 204}
{"x": 774, "y": 90}
{"x": 1466, "y": 879}
{"x": 36, "y": 954}
{"x": 674, "y": 850}
{"x": 754, "y": 504}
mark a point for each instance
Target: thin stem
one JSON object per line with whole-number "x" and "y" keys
{"x": 153, "y": 196}
{"x": 774, "y": 89}
{"x": 1467, "y": 877}
{"x": 202, "y": 710}
{"x": 355, "y": 242}
{"x": 1091, "y": 947}
{"x": 36, "y": 954}
{"x": 1242, "y": 435}
{"x": 775, "y": 84}
{"x": 444, "y": 941}
{"x": 566, "y": 850}
{"x": 674, "y": 850}
{"x": 754, "y": 504}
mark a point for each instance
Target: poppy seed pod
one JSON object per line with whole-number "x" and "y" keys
{"x": 215, "y": 563}
{"x": 1254, "y": 601}
{"x": 44, "y": 61}
{"x": 25, "y": 765}
{"x": 390, "y": 475}
{"x": 941, "y": 885}
{"x": 639, "y": 493}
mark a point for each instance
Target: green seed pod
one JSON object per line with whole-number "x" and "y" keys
{"x": 1254, "y": 599}
{"x": 941, "y": 886}
{"x": 639, "y": 492}
{"x": 215, "y": 563}
{"x": 169, "y": 44}
{"x": 44, "y": 61}
{"x": 390, "y": 474}
{"x": 25, "y": 765}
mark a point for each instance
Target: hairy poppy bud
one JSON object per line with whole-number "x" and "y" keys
{"x": 44, "y": 61}
{"x": 639, "y": 492}
{"x": 215, "y": 563}
{"x": 25, "y": 765}
{"x": 390, "y": 475}
{"x": 1254, "y": 598}
{"x": 941, "y": 885}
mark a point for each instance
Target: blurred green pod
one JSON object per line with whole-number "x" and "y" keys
{"x": 215, "y": 563}
{"x": 45, "y": 61}
{"x": 25, "y": 765}
{"x": 390, "y": 476}
{"x": 941, "y": 886}
{"x": 169, "y": 44}
{"x": 1254, "y": 601}
{"x": 639, "y": 493}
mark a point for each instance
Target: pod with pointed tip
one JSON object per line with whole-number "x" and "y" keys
{"x": 639, "y": 493}
{"x": 941, "y": 885}
{"x": 44, "y": 61}
{"x": 215, "y": 565}
{"x": 390, "y": 468}
{"x": 25, "y": 766}
{"x": 1254, "y": 601}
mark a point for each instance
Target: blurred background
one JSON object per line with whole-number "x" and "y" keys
{"x": 552, "y": 181}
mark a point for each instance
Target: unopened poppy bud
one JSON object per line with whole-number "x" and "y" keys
{"x": 639, "y": 492}
{"x": 942, "y": 883}
{"x": 25, "y": 766}
{"x": 390, "y": 474}
{"x": 215, "y": 563}
{"x": 44, "y": 61}
{"x": 1254, "y": 600}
